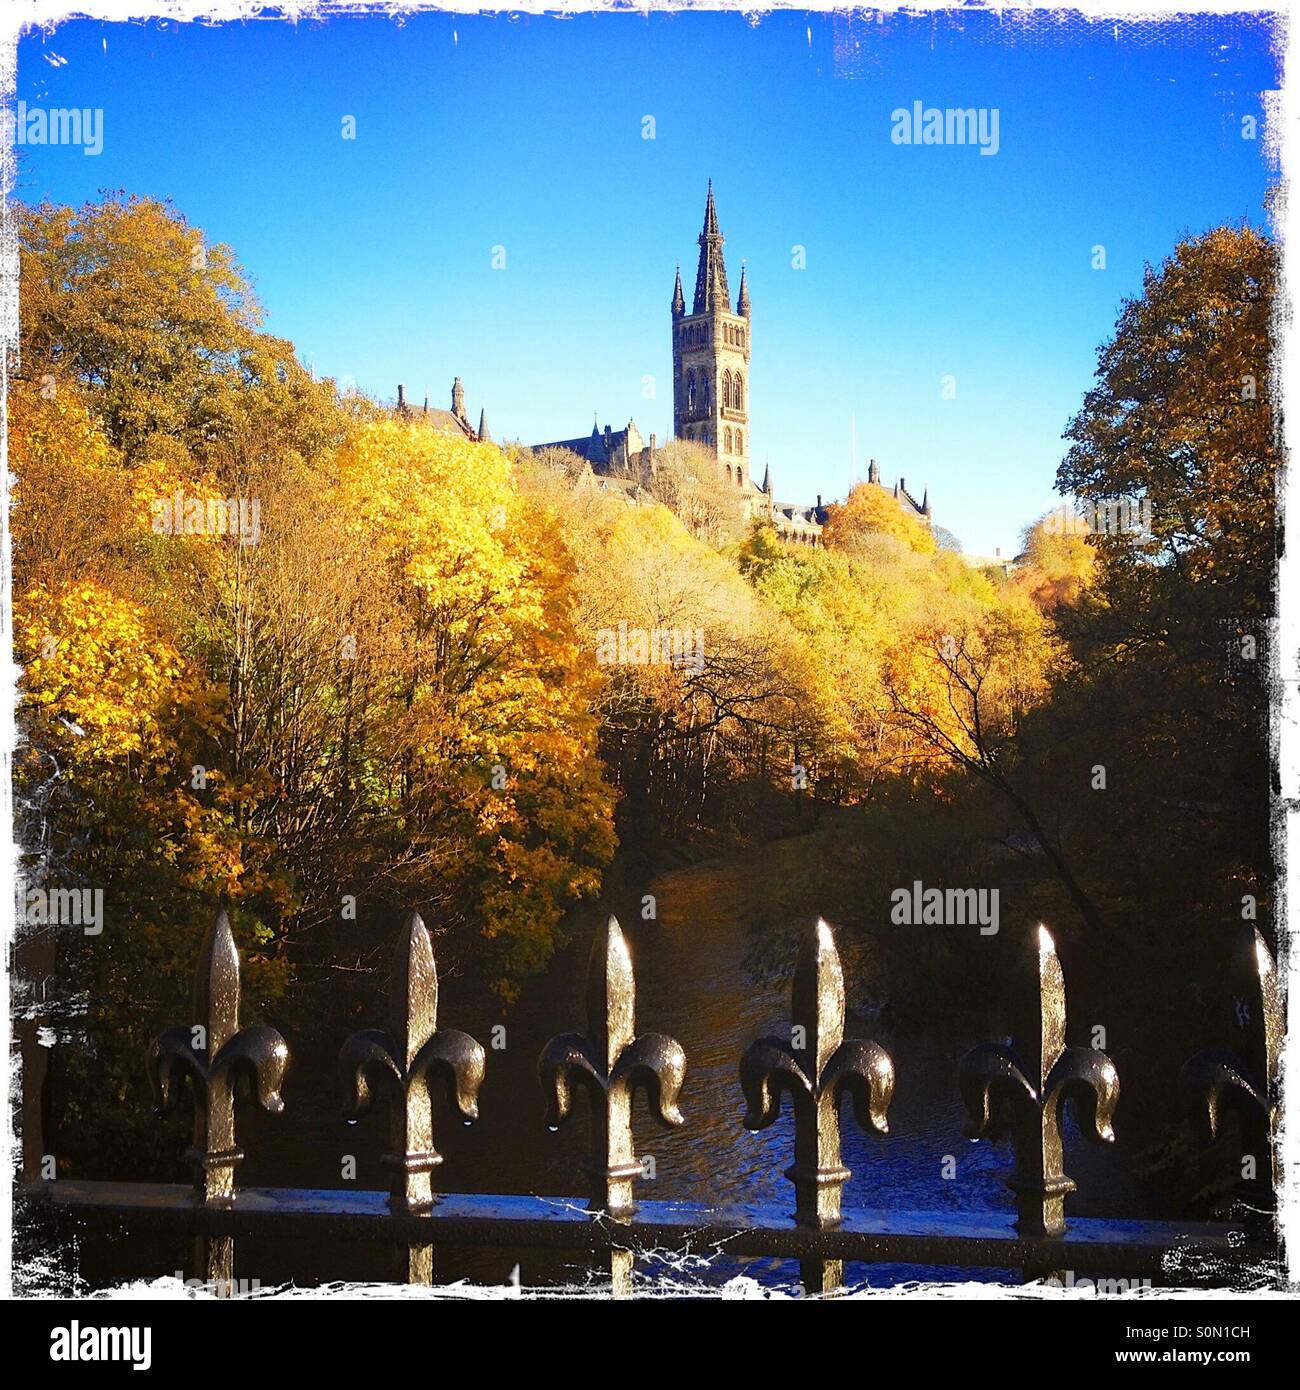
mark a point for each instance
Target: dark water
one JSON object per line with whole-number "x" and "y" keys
{"x": 693, "y": 984}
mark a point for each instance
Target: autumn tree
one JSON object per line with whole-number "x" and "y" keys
{"x": 689, "y": 480}
{"x": 1057, "y": 561}
{"x": 1141, "y": 769}
{"x": 126, "y": 298}
{"x": 1174, "y": 631}
{"x": 870, "y": 511}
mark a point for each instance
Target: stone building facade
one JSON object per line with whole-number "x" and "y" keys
{"x": 712, "y": 346}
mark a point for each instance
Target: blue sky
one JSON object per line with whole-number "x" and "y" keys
{"x": 374, "y": 255}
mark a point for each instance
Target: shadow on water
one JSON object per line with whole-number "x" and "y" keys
{"x": 693, "y": 984}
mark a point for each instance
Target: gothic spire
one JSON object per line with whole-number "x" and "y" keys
{"x": 711, "y": 278}
{"x": 767, "y": 479}
{"x": 482, "y": 425}
{"x": 679, "y": 301}
{"x": 742, "y": 299}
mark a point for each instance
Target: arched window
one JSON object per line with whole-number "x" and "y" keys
{"x": 738, "y": 392}
{"x": 740, "y": 475}
{"x": 690, "y": 392}
{"x": 740, "y": 442}
{"x": 726, "y": 390}
{"x": 704, "y": 393}
{"x": 727, "y": 437}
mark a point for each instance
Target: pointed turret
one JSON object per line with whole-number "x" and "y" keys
{"x": 458, "y": 401}
{"x": 483, "y": 434}
{"x": 596, "y": 447}
{"x": 742, "y": 299}
{"x": 679, "y": 300}
{"x": 925, "y": 502}
{"x": 873, "y": 472}
{"x": 711, "y": 278}
{"x": 767, "y": 479}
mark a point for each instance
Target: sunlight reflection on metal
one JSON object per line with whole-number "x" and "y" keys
{"x": 610, "y": 1062}
{"x": 214, "y": 1054}
{"x": 1245, "y": 1078}
{"x": 402, "y": 1063}
{"x": 1022, "y": 1089}
{"x": 815, "y": 1068}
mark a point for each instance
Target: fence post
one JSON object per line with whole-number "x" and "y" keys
{"x": 1023, "y": 1089}
{"x": 1244, "y": 1077}
{"x": 609, "y": 1061}
{"x": 816, "y": 1067}
{"x": 213, "y": 1054}
{"x": 402, "y": 1062}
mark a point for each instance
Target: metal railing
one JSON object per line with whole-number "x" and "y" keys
{"x": 1021, "y": 1090}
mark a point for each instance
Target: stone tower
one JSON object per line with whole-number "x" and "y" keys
{"x": 711, "y": 357}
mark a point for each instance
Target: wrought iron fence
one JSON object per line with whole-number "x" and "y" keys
{"x": 1020, "y": 1089}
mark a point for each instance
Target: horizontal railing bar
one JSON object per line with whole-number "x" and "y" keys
{"x": 983, "y": 1239}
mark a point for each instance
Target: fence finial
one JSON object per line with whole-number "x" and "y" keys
{"x": 213, "y": 1053}
{"x": 404, "y": 1061}
{"x": 1023, "y": 1089}
{"x": 816, "y": 1067}
{"x": 611, "y": 1062}
{"x": 1245, "y": 1077}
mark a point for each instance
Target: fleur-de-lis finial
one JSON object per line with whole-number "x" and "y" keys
{"x": 402, "y": 1063}
{"x": 1023, "y": 1089}
{"x": 816, "y": 1067}
{"x": 213, "y": 1053}
{"x": 610, "y": 1062}
{"x": 1245, "y": 1077}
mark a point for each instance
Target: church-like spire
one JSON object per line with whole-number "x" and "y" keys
{"x": 742, "y": 299}
{"x": 767, "y": 479}
{"x": 711, "y": 277}
{"x": 679, "y": 300}
{"x": 482, "y": 425}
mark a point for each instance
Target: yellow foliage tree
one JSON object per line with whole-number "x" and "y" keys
{"x": 871, "y": 511}
{"x": 1058, "y": 561}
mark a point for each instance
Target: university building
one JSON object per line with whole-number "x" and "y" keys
{"x": 712, "y": 346}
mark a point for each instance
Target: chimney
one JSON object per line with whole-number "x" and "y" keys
{"x": 652, "y": 443}
{"x": 401, "y": 397}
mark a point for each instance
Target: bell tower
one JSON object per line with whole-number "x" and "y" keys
{"x": 711, "y": 348}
